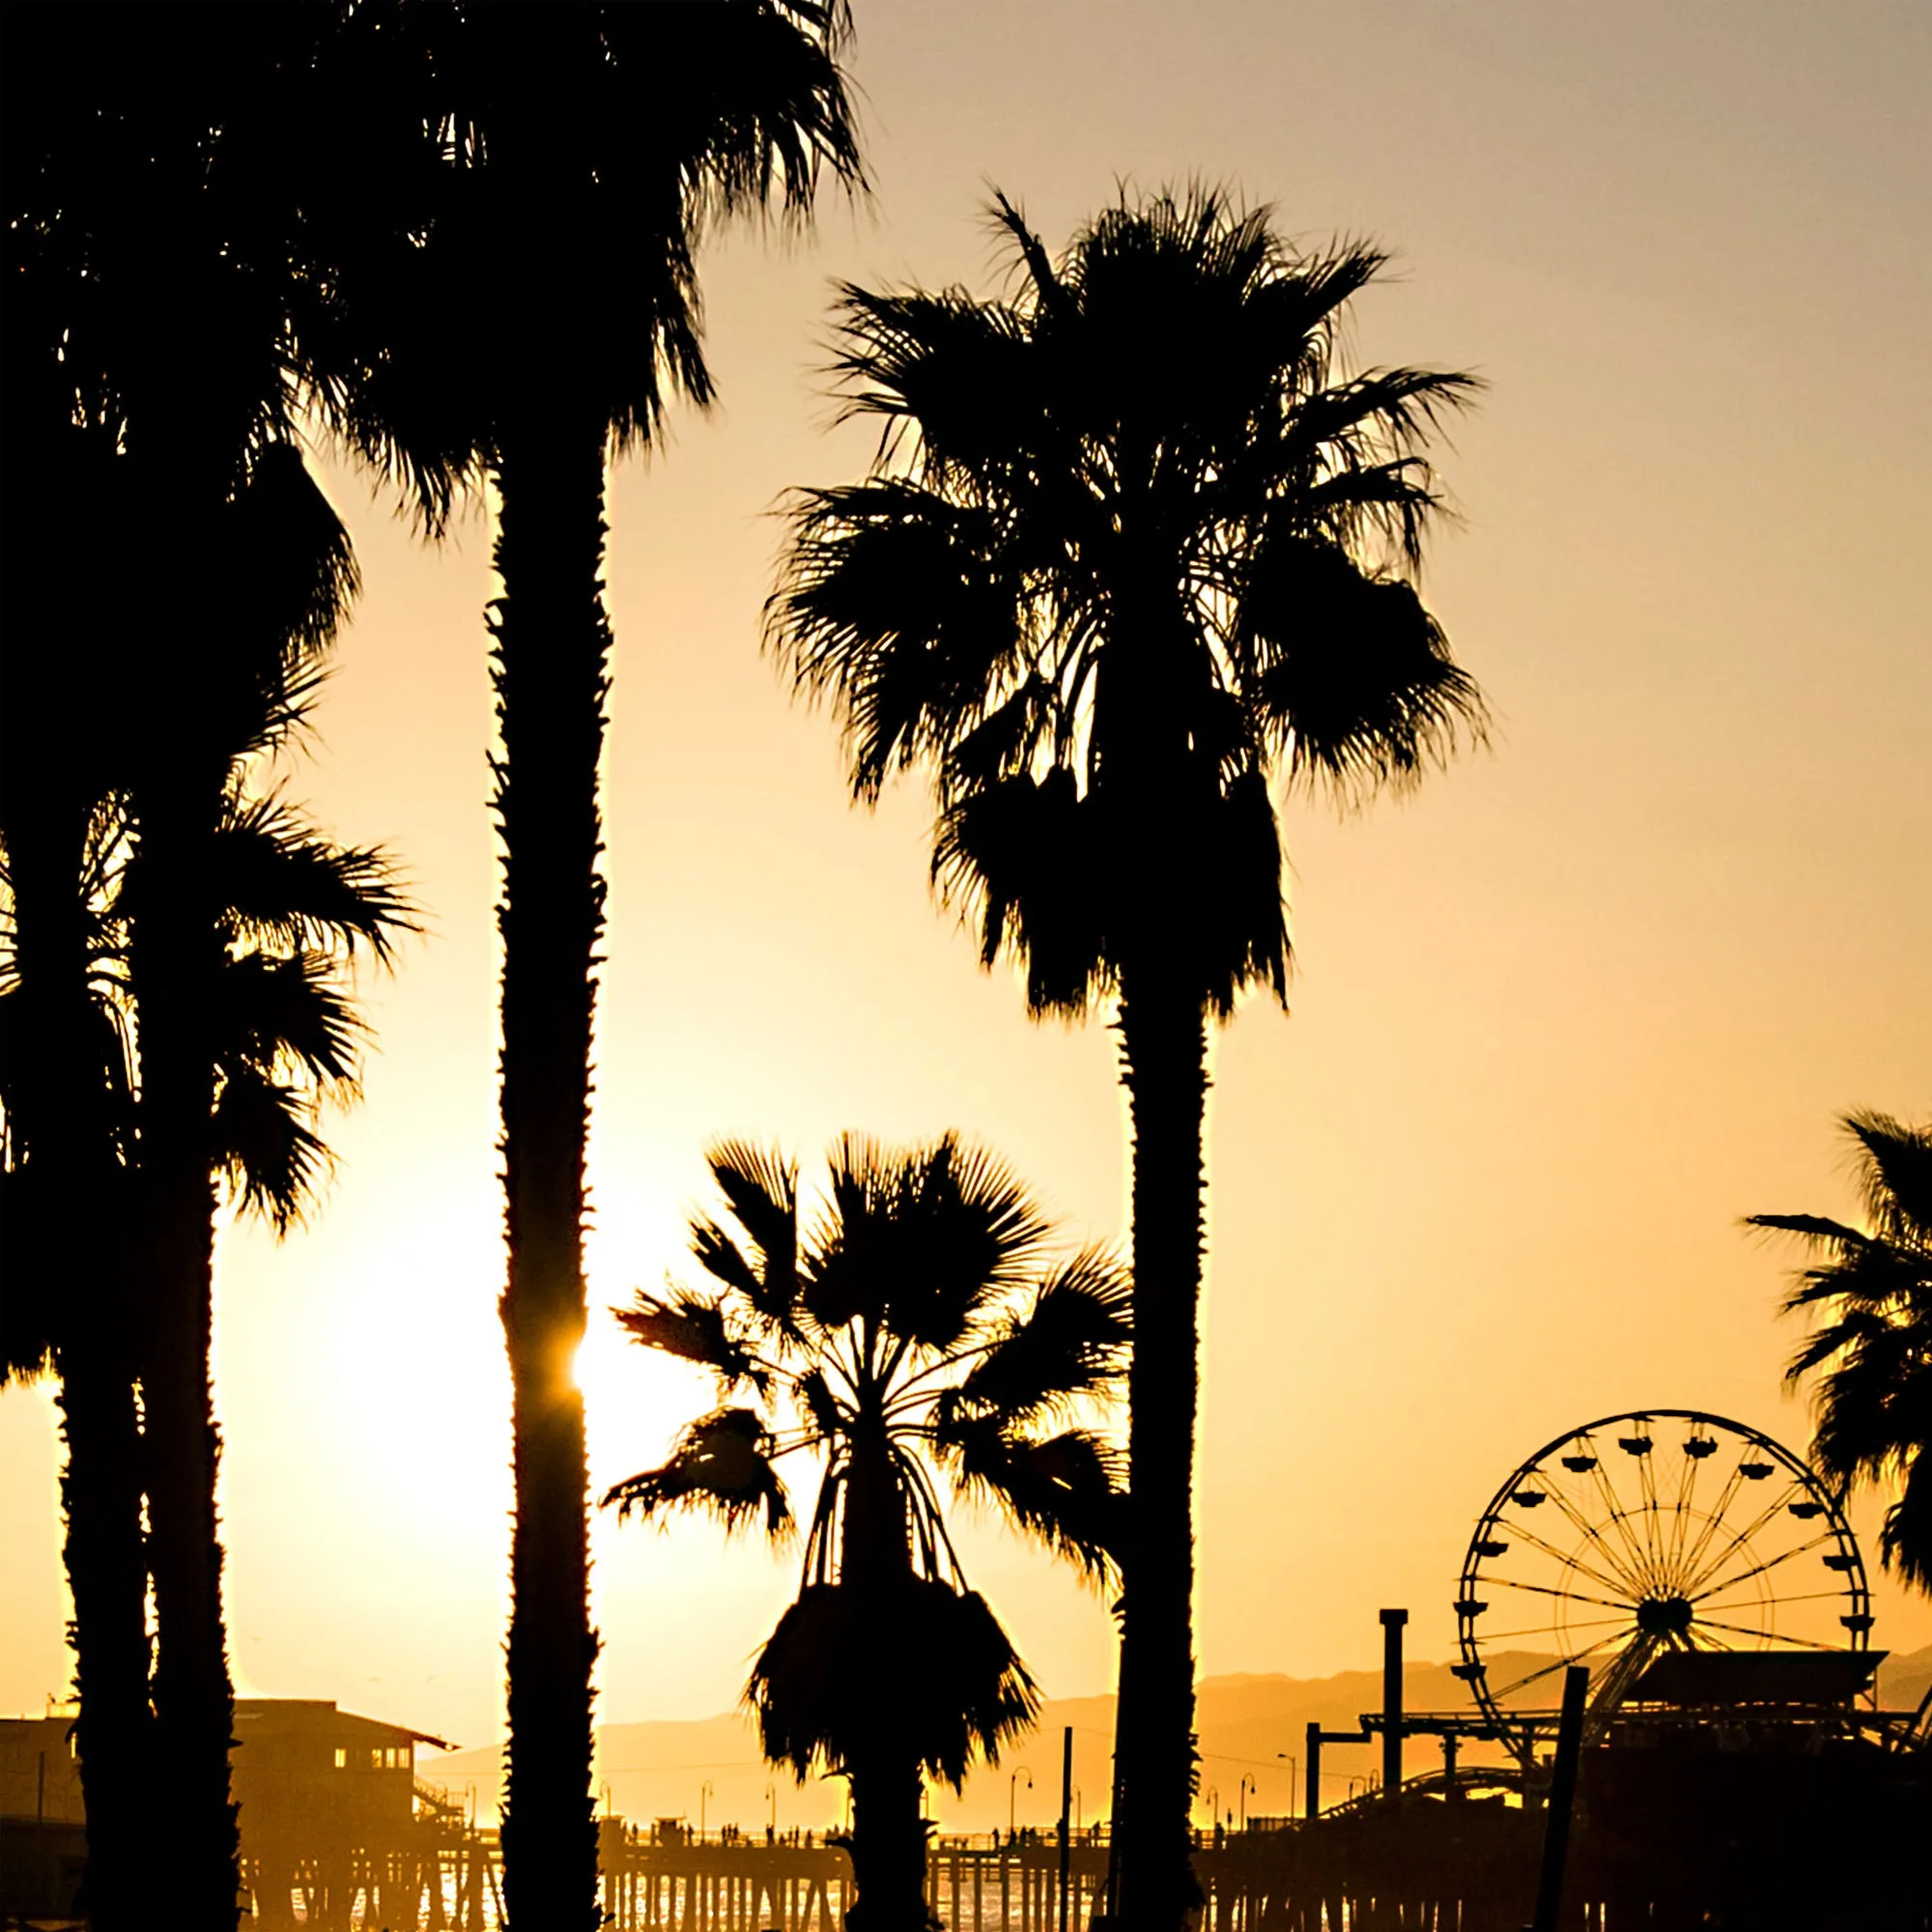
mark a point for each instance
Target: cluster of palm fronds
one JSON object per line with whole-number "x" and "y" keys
{"x": 1871, "y": 1354}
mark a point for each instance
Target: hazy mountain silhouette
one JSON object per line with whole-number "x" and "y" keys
{"x": 654, "y": 1770}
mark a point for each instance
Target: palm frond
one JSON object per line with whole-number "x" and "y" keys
{"x": 1065, "y": 1490}
{"x": 920, "y": 1240}
{"x": 761, "y": 1186}
{"x": 292, "y": 569}
{"x": 1905, "y": 1538}
{"x": 957, "y": 1691}
{"x": 282, "y": 885}
{"x": 1354, "y": 676}
{"x": 1071, "y": 1341}
{"x": 693, "y": 1330}
{"x": 903, "y": 606}
{"x": 290, "y": 1012}
{"x": 722, "y": 1466}
{"x": 1869, "y": 1358}
{"x": 262, "y": 1145}
{"x": 1895, "y": 1177}
{"x": 1026, "y": 855}
{"x": 1816, "y": 1228}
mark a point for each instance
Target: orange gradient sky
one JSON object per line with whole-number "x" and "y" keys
{"x": 1559, "y": 1022}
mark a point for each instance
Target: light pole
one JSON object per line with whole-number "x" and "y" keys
{"x": 1012, "y": 1790}
{"x": 1213, "y": 1806}
{"x": 704, "y": 1791}
{"x": 1247, "y": 1785}
{"x": 1293, "y": 1772}
{"x": 772, "y": 1799}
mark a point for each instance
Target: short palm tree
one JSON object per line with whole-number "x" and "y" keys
{"x": 1135, "y": 545}
{"x": 1872, "y": 1356}
{"x": 526, "y": 310}
{"x": 912, "y": 1328}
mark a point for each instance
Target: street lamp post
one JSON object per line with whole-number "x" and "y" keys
{"x": 1013, "y": 1788}
{"x": 1247, "y": 1785}
{"x": 1293, "y": 1774}
{"x": 772, "y": 1824}
{"x": 704, "y": 1791}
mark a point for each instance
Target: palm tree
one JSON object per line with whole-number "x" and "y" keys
{"x": 1135, "y": 543}
{"x": 1872, "y": 1356}
{"x": 62, "y": 1165}
{"x": 578, "y": 152}
{"x": 289, "y": 910}
{"x": 913, "y": 1328}
{"x": 152, "y": 301}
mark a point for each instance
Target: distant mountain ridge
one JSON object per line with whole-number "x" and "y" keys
{"x": 1250, "y": 1728}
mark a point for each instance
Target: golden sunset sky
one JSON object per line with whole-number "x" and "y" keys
{"x": 1560, "y": 1021}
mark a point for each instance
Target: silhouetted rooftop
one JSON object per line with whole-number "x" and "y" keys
{"x": 1757, "y": 1677}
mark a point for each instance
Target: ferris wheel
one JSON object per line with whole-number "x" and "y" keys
{"x": 1657, "y": 1530}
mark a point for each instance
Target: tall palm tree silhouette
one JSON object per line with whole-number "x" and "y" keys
{"x": 287, "y": 909}
{"x": 533, "y": 315}
{"x": 153, "y": 298}
{"x": 913, "y": 1328}
{"x": 1872, "y": 1354}
{"x": 61, "y": 1058}
{"x": 1134, "y": 542}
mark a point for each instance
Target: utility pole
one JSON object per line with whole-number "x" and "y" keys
{"x": 1562, "y": 1798}
{"x": 1066, "y": 1817}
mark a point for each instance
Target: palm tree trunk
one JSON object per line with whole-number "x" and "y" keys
{"x": 176, "y": 960}
{"x": 62, "y": 1116}
{"x": 888, "y": 1844}
{"x": 1164, "y": 1054}
{"x": 552, "y": 644}
{"x": 106, "y": 1569}
{"x": 888, "y": 1848}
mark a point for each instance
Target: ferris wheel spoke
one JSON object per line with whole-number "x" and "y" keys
{"x": 1567, "y": 1596}
{"x": 1700, "y": 1638}
{"x": 1742, "y": 1538}
{"x": 1547, "y": 1630}
{"x": 1805, "y": 1596}
{"x": 1807, "y": 1643}
{"x": 1549, "y": 1669}
{"x": 1760, "y": 1569}
{"x": 1653, "y": 1529}
{"x": 1620, "y": 1516}
{"x": 1725, "y": 1497}
{"x": 1530, "y": 1537}
{"x": 1589, "y": 1529}
{"x": 1687, "y": 1495}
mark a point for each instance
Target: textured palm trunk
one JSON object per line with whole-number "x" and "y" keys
{"x": 551, "y": 648}
{"x": 62, "y": 1116}
{"x": 1164, "y": 1051}
{"x": 888, "y": 1847}
{"x": 176, "y": 959}
{"x": 106, "y": 1570}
